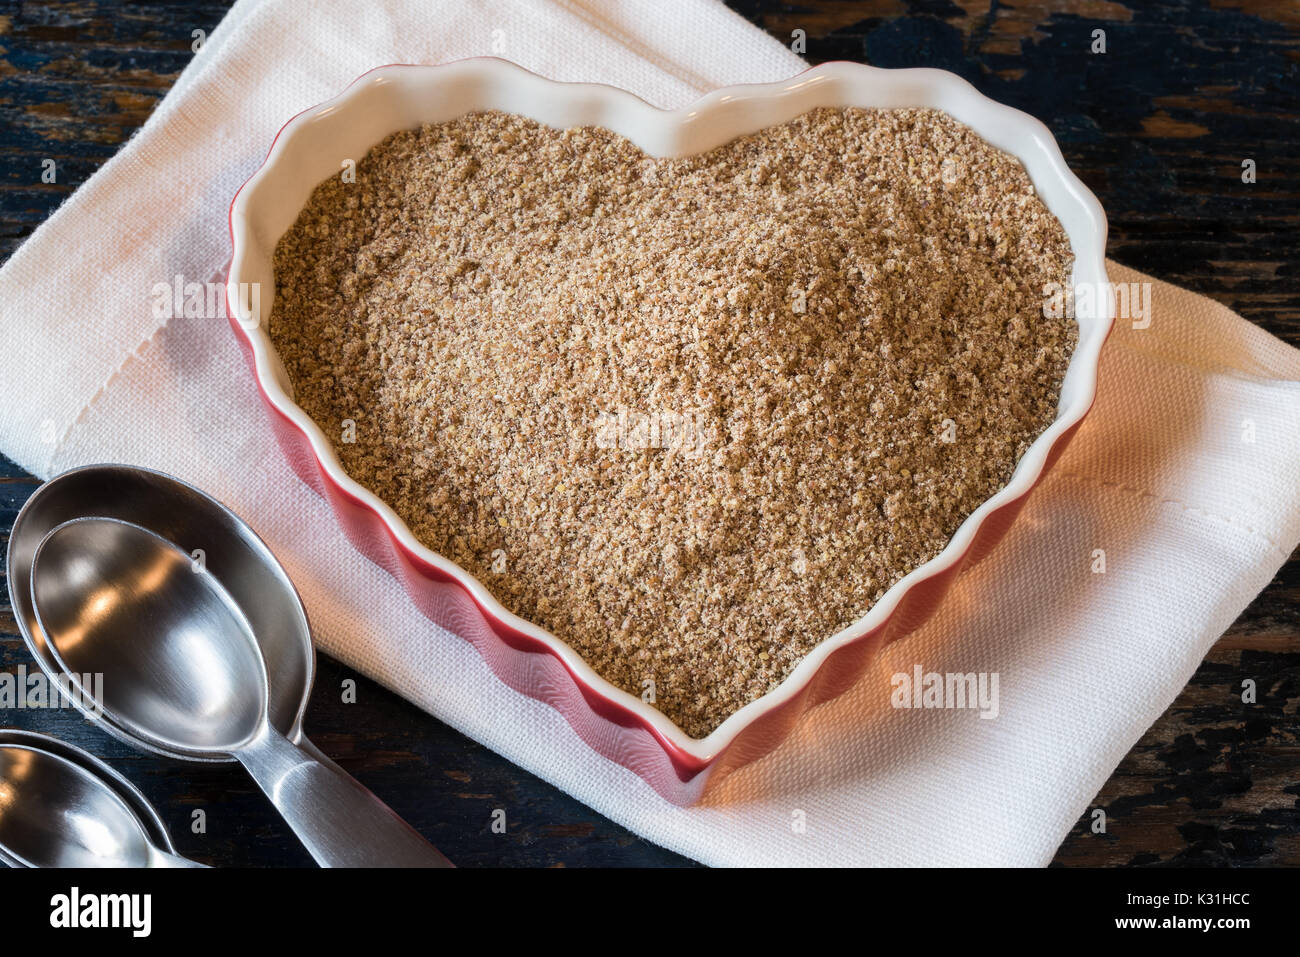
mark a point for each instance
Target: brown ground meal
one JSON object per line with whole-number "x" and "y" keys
{"x": 694, "y": 415}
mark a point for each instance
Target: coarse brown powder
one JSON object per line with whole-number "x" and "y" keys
{"x": 693, "y": 415}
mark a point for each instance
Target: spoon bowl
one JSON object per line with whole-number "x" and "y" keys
{"x": 113, "y": 597}
{"x": 61, "y": 807}
{"x": 201, "y": 527}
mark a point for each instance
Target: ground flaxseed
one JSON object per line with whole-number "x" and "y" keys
{"x": 692, "y": 415}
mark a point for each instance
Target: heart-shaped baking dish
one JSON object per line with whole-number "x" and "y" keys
{"x": 620, "y": 726}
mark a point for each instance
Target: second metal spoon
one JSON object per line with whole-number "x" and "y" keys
{"x": 61, "y": 807}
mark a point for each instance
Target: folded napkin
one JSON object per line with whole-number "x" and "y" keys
{"x": 1186, "y": 475}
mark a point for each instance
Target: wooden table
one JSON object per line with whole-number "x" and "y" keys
{"x": 1157, "y": 126}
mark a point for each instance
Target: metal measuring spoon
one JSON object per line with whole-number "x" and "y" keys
{"x": 196, "y": 684}
{"x": 229, "y": 550}
{"x": 62, "y": 807}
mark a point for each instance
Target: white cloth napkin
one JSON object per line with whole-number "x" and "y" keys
{"x": 1187, "y": 473}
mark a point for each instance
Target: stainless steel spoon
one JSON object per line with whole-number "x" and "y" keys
{"x": 61, "y": 807}
{"x": 185, "y": 672}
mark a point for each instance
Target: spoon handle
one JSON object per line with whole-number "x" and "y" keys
{"x": 337, "y": 819}
{"x": 161, "y": 858}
